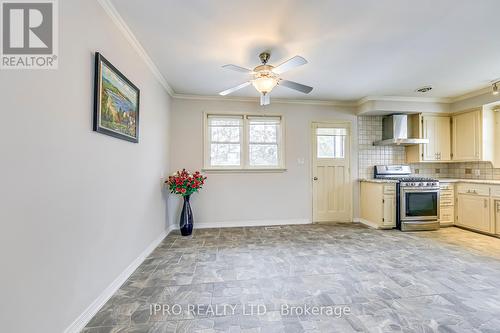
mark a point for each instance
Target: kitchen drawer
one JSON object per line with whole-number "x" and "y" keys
{"x": 446, "y": 186}
{"x": 495, "y": 191}
{"x": 447, "y": 194}
{"x": 446, "y": 215}
{"x": 446, "y": 201}
{"x": 477, "y": 189}
{"x": 389, "y": 189}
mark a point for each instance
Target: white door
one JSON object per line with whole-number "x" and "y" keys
{"x": 332, "y": 187}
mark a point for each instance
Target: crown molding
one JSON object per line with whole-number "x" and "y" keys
{"x": 274, "y": 100}
{"x": 403, "y": 99}
{"x": 471, "y": 94}
{"x": 110, "y": 9}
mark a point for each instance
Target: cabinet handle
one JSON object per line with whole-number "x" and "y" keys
{"x": 485, "y": 203}
{"x": 315, "y": 178}
{"x": 498, "y": 207}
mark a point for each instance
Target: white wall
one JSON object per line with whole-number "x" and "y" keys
{"x": 227, "y": 198}
{"x": 77, "y": 207}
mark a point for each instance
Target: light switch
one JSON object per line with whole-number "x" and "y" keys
{"x": 300, "y": 160}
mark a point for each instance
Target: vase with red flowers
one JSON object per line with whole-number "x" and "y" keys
{"x": 186, "y": 183}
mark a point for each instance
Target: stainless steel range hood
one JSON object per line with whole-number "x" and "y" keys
{"x": 395, "y": 132}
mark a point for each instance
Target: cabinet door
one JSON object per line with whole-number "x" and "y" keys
{"x": 497, "y": 217}
{"x": 438, "y": 130}
{"x": 443, "y": 142}
{"x": 430, "y": 131}
{"x": 474, "y": 212}
{"x": 467, "y": 136}
{"x": 389, "y": 209}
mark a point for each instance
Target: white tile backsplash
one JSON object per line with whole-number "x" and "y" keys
{"x": 370, "y": 130}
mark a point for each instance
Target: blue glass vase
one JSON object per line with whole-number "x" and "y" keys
{"x": 186, "y": 222}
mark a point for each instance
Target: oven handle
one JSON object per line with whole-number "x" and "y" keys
{"x": 420, "y": 189}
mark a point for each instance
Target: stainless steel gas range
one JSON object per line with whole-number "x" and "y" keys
{"x": 417, "y": 198}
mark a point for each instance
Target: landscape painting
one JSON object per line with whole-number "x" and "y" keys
{"x": 116, "y": 105}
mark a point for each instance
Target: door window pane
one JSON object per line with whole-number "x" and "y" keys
{"x": 330, "y": 142}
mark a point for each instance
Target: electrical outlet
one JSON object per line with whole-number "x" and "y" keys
{"x": 477, "y": 172}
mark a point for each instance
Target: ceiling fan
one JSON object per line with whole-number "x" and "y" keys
{"x": 266, "y": 77}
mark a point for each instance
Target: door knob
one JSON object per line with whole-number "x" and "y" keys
{"x": 315, "y": 178}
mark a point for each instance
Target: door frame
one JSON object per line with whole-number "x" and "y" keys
{"x": 349, "y": 125}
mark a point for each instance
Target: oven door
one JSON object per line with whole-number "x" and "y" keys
{"x": 419, "y": 204}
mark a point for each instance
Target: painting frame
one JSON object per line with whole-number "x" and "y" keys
{"x": 99, "y": 118}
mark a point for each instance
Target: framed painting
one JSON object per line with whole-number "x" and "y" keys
{"x": 116, "y": 102}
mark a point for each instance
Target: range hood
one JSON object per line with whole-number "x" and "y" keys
{"x": 395, "y": 132}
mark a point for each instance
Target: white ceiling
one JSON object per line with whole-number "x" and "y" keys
{"x": 355, "y": 48}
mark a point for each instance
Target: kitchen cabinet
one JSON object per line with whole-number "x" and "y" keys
{"x": 435, "y": 128}
{"x": 378, "y": 204}
{"x": 389, "y": 210}
{"x": 474, "y": 207}
{"x": 497, "y": 216}
{"x": 467, "y": 136}
{"x": 446, "y": 204}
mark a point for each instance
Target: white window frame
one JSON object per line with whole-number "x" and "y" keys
{"x": 245, "y": 145}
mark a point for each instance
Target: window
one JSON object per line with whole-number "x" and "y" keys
{"x": 330, "y": 142}
{"x": 243, "y": 142}
{"x": 225, "y": 140}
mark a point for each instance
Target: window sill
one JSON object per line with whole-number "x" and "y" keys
{"x": 256, "y": 170}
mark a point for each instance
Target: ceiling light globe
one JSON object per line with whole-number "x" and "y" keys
{"x": 264, "y": 84}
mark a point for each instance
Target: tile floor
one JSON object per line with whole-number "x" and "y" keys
{"x": 372, "y": 281}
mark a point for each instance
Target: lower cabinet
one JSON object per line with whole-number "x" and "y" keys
{"x": 389, "y": 210}
{"x": 447, "y": 204}
{"x": 378, "y": 204}
{"x": 474, "y": 212}
{"x": 497, "y": 216}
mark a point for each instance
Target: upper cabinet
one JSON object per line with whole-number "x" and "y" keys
{"x": 437, "y": 129}
{"x": 467, "y": 137}
{"x": 473, "y": 136}
{"x": 470, "y": 135}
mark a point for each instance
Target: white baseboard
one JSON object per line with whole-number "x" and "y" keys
{"x": 249, "y": 223}
{"x": 99, "y": 302}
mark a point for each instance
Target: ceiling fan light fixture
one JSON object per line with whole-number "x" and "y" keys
{"x": 264, "y": 84}
{"x": 495, "y": 88}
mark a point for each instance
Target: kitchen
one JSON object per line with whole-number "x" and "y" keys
{"x": 453, "y": 160}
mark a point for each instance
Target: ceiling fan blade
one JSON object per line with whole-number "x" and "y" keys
{"x": 289, "y": 64}
{"x": 296, "y": 86}
{"x": 238, "y": 68}
{"x": 233, "y": 89}
{"x": 265, "y": 99}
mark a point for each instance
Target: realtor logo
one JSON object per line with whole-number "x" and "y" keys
{"x": 29, "y": 34}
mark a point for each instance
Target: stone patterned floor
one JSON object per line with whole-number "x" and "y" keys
{"x": 444, "y": 281}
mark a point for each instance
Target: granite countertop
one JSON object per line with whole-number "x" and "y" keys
{"x": 473, "y": 181}
{"x": 383, "y": 181}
